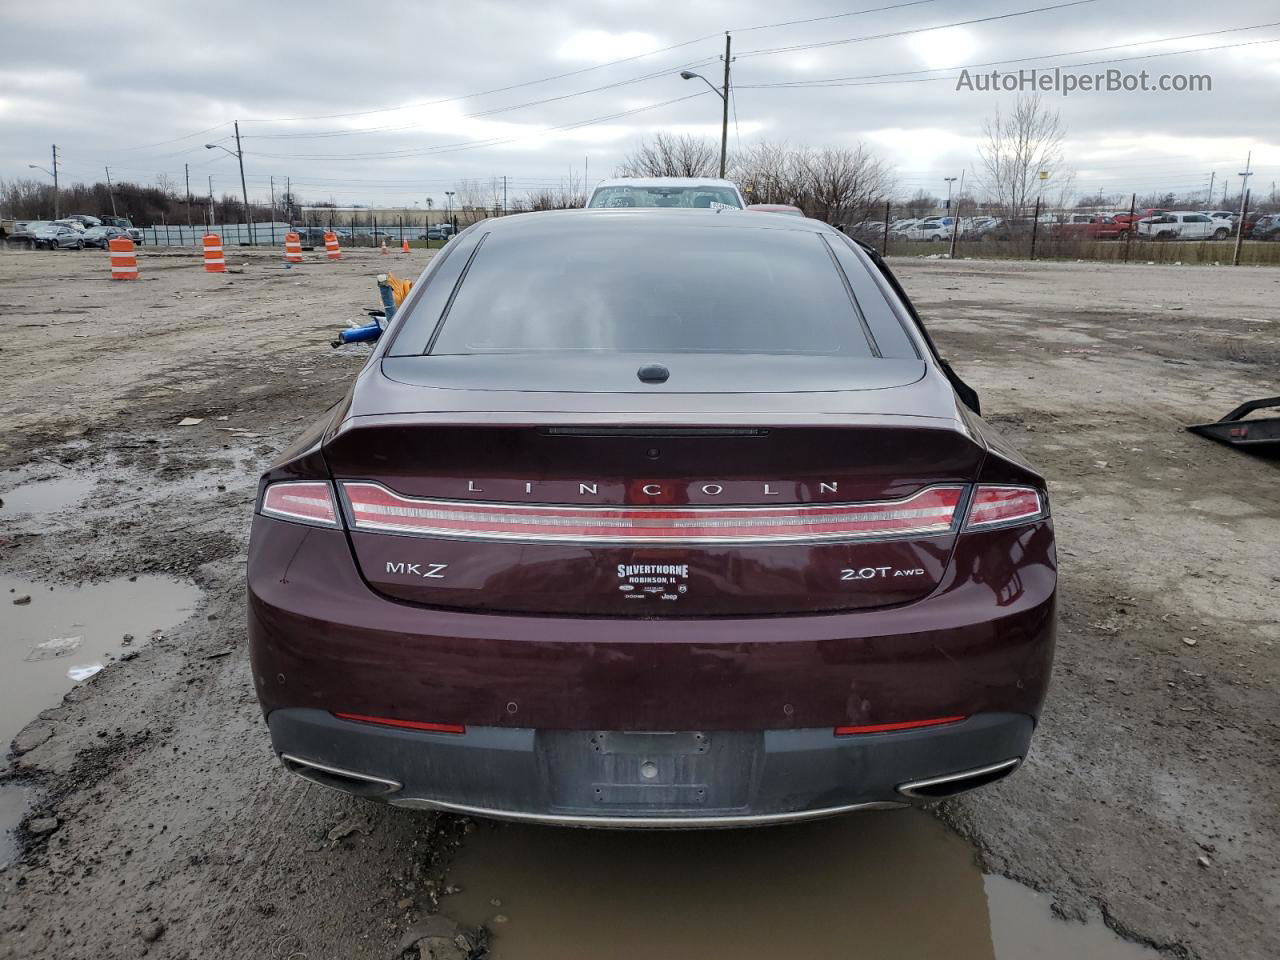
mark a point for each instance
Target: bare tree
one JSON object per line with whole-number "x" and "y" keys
{"x": 920, "y": 203}
{"x": 845, "y": 185}
{"x": 567, "y": 195}
{"x": 669, "y": 155}
{"x": 768, "y": 172}
{"x": 472, "y": 200}
{"x": 1022, "y": 152}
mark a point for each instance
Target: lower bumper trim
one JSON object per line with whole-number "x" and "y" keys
{"x": 670, "y": 823}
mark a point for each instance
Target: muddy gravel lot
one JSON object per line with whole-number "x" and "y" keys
{"x": 142, "y": 812}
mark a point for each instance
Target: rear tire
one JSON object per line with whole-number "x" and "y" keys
{"x": 1221, "y": 233}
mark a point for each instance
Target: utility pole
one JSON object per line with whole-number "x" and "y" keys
{"x": 504, "y": 194}
{"x": 723, "y": 94}
{"x": 724, "y": 124}
{"x": 273, "y": 207}
{"x": 955, "y": 220}
{"x": 186, "y": 171}
{"x": 1212, "y": 174}
{"x": 1244, "y": 206}
{"x": 111, "y": 191}
{"x": 55, "y": 182}
{"x": 288, "y": 197}
{"x": 248, "y": 215}
{"x": 211, "y": 203}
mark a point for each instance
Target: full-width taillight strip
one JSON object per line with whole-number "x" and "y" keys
{"x": 374, "y": 507}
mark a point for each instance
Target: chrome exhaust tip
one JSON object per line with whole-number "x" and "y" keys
{"x": 335, "y": 778}
{"x": 951, "y": 784}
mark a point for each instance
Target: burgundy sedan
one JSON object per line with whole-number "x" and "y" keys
{"x": 653, "y": 518}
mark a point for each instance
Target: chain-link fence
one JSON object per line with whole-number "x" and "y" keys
{"x": 1128, "y": 236}
{"x": 365, "y": 228}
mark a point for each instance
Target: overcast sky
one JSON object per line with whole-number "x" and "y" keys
{"x": 383, "y": 103}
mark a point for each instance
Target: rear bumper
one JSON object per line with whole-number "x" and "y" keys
{"x": 609, "y": 779}
{"x": 320, "y": 638}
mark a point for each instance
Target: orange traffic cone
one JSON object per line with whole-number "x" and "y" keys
{"x": 292, "y": 248}
{"x": 404, "y": 246}
{"x": 124, "y": 262}
{"x": 214, "y": 260}
{"x": 383, "y": 251}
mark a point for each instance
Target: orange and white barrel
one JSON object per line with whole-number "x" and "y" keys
{"x": 331, "y": 248}
{"x": 292, "y": 248}
{"x": 214, "y": 259}
{"x": 124, "y": 262}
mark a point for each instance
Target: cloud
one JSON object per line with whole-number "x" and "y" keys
{"x": 139, "y": 86}
{"x": 600, "y": 46}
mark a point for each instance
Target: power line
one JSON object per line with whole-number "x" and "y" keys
{"x": 482, "y": 113}
{"x": 994, "y": 63}
{"x": 599, "y": 66}
{"x": 474, "y": 144}
{"x": 1059, "y": 66}
{"x": 770, "y": 51}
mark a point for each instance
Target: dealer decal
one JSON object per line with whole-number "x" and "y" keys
{"x": 661, "y": 581}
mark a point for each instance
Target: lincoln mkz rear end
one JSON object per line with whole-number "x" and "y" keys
{"x": 646, "y": 518}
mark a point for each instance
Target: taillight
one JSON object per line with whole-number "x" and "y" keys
{"x": 303, "y": 501}
{"x": 374, "y": 507}
{"x": 998, "y": 505}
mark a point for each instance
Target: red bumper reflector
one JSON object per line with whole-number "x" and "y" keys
{"x": 930, "y": 511}
{"x": 887, "y": 727}
{"x": 404, "y": 724}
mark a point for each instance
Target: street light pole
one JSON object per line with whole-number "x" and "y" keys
{"x": 112, "y": 193}
{"x": 54, "y": 174}
{"x": 950, "y": 181}
{"x": 55, "y": 181}
{"x": 723, "y": 94}
{"x": 238, "y": 153}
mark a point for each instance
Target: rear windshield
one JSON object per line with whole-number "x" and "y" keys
{"x": 691, "y": 197}
{"x": 634, "y": 288}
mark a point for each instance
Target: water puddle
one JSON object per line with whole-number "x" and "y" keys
{"x": 14, "y": 800}
{"x": 43, "y": 497}
{"x": 884, "y": 885}
{"x": 63, "y": 635}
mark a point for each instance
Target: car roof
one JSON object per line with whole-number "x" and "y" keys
{"x": 552, "y": 222}
{"x": 666, "y": 182}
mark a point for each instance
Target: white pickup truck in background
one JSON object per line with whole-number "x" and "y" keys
{"x": 1184, "y": 225}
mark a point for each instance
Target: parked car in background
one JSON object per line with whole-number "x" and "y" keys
{"x": 101, "y": 236}
{"x": 899, "y": 227}
{"x": 652, "y": 518}
{"x": 124, "y": 224}
{"x": 785, "y": 208}
{"x": 1123, "y": 216}
{"x": 437, "y": 231}
{"x": 1266, "y": 228}
{"x": 977, "y": 228}
{"x": 1095, "y": 226}
{"x": 691, "y": 192}
{"x": 932, "y": 229}
{"x": 43, "y": 235}
{"x": 85, "y": 220}
{"x": 75, "y": 225}
{"x": 1184, "y": 225}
